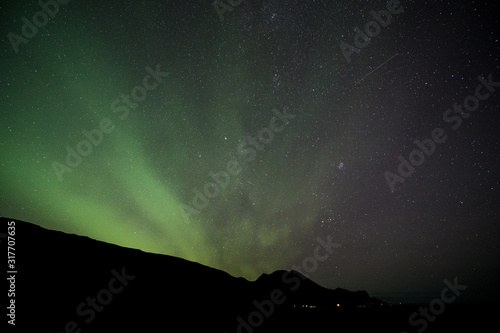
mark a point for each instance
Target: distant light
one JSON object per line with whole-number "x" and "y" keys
{"x": 338, "y": 304}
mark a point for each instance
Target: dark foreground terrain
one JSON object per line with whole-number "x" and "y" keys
{"x": 69, "y": 283}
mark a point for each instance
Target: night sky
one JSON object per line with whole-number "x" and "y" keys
{"x": 236, "y": 140}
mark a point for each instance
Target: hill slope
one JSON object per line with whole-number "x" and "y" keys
{"x": 66, "y": 282}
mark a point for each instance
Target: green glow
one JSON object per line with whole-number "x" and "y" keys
{"x": 129, "y": 189}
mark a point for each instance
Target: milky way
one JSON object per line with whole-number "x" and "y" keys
{"x": 237, "y": 142}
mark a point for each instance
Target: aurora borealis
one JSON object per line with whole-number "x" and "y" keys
{"x": 237, "y": 142}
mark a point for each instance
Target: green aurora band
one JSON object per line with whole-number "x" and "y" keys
{"x": 130, "y": 189}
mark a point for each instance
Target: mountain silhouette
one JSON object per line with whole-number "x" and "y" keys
{"x": 69, "y": 283}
